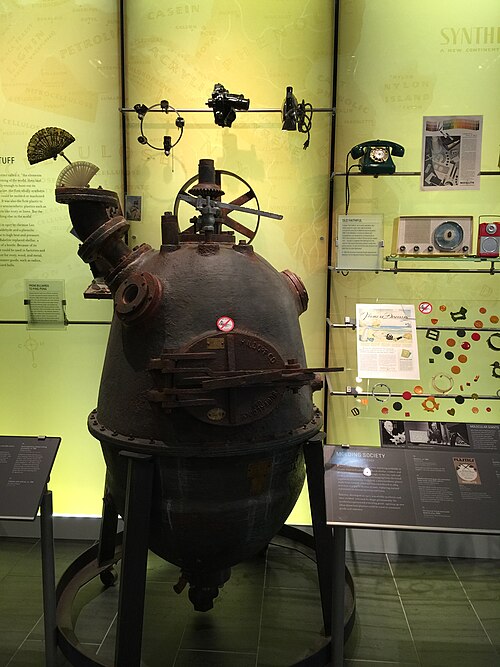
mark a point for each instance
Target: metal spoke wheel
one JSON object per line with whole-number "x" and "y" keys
{"x": 245, "y": 224}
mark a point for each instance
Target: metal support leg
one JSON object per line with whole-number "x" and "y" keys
{"x": 109, "y": 523}
{"x": 338, "y": 585}
{"x": 134, "y": 560}
{"x": 313, "y": 454}
{"x": 48, "y": 578}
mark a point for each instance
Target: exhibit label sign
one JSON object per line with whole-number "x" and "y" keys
{"x": 386, "y": 338}
{"x": 45, "y": 304}
{"x": 359, "y": 242}
{"x": 443, "y": 488}
{"x": 25, "y": 465}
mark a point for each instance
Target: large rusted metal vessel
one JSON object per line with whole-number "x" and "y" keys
{"x": 205, "y": 370}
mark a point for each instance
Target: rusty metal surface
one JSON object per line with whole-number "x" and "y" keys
{"x": 205, "y": 369}
{"x": 137, "y": 297}
{"x": 197, "y": 290}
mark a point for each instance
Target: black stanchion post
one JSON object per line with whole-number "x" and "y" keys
{"x": 338, "y": 591}
{"x": 48, "y": 577}
{"x": 109, "y": 524}
{"x": 134, "y": 560}
{"x": 313, "y": 454}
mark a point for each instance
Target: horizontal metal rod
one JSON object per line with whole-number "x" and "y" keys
{"x": 490, "y": 272}
{"x": 403, "y": 173}
{"x": 437, "y": 395}
{"x": 55, "y": 324}
{"x": 352, "y": 325}
{"x": 395, "y": 259}
{"x": 199, "y": 202}
{"x": 314, "y": 109}
{"x": 344, "y": 325}
{"x": 485, "y": 271}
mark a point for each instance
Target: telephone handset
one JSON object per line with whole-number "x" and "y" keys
{"x": 376, "y": 156}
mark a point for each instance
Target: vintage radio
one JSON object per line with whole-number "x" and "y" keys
{"x": 488, "y": 239}
{"x": 429, "y": 235}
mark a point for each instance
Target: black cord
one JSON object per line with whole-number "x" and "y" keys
{"x": 142, "y": 110}
{"x": 304, "y": 115}
{"x": 347, "y": 192}
{"x": 347, "y": 188}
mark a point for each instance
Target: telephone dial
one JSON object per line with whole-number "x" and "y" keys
{"x": 376, "y": 156}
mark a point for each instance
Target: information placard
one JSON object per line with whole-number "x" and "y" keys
{"x": 444, "y": 488}
{"x": 359, "y": 242}
{"x": 25, "y": 465}
{"x": 386, "y": 341}
{"x": 45, "y": 304}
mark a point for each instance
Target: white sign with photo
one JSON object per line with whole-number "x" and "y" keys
{"x": 451, "y": 152}
{"x": 387, "y": 341}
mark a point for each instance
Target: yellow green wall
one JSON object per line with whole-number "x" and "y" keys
{"x": 400, "y": 61}
{"x": 61, "y": 68}
{"x": 176, "y": 51}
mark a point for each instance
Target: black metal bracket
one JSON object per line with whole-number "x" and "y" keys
{"x": 134, "y": 560}
{"x": 99, "y": 559}
{"x": 334, "y": 578}
{"x": 48, "y": 577}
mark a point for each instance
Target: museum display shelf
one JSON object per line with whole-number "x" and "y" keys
{"x": 493, "y": 263}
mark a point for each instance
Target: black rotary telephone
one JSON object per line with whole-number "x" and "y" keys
{"x": 376, "y": 156}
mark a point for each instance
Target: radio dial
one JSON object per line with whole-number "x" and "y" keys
{"x": 488, "y": 241}
{"x": 428, "y": 235}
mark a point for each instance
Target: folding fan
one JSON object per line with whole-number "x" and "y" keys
{"x": 77, "y": 174}
{"x": 49, "y": 142}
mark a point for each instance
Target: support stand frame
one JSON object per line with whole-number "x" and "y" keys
{"x": 99, "y": 559}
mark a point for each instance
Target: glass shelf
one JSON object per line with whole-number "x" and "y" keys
{"x": 403, "y": 173}
{"x": 368, "y": 394}
{"x": 440, "y": 258}
{"x": 429, "y": 260}
{"x": 396, "y": 259}
{"x": 352, "y": 325}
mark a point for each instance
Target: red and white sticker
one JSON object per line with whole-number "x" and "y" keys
{"x": 225, "y": 324}
{"x": 425, "y": 307}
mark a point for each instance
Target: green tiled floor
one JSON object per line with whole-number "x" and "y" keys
{"x": 430, "y": 612}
